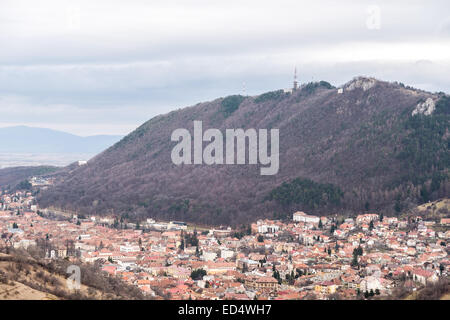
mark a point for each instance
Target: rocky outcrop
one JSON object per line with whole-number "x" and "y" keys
{"x": 426, "y": 108}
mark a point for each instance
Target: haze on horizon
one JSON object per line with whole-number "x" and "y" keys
{"x": 106, "y": 67}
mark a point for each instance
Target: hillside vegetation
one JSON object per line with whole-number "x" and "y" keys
{"x": 10, "y": 178}
{"x": 359, "y": 150}
{"x": 23, "y": 276}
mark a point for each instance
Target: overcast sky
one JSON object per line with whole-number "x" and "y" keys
{"x": 106, "y": 66}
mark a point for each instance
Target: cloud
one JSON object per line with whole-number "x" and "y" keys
{"x": 117, "y": 63}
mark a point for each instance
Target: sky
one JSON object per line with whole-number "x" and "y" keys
{"x": 107, "y": 66}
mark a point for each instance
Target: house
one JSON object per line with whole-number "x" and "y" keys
{"x": 326, "y": 287}
{"x": 111, "y": 269}
{"x": 424, "y": 276}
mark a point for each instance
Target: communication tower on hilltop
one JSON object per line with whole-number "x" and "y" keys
{"x": 295, "y": 80}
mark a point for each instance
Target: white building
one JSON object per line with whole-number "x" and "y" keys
{"x": 264, "y": 227}
{"x": 226, "y": 254}
{"x": 129, "y": 248}
{"x": 371, "y": 283}
{"x": 209, "y": 256}
{"x": 177, "y": 225}
{"x": 300, "y": 216}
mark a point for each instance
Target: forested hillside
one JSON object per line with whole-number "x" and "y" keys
{"x": 371, "y": 146}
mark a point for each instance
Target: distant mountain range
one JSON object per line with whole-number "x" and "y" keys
{"x": 23, "y": 139}
{"x": 368, "y": 145}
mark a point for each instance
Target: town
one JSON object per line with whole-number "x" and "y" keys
{"x": 367, "y": 256}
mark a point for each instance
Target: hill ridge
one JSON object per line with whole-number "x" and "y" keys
{"x": 360, "y": 138}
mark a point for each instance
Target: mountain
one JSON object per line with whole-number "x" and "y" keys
{"x": 13, "y": 176}
{"x": 369, "y": 145}
{"x": 22, "y": 139}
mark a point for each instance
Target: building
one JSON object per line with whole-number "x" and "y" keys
{"x": 424, "y": 276}
{"x": 261, "y": 283}
{"x": 300, "y": 216}
{"x": 267, "y": 226}
{"x": 367, "y": 218}
{"x": 370, "y": 283}
{"x": 177, "y": 225}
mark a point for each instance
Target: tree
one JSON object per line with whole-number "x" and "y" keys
{"x": 356, "y": 252}
{"x": 182, "y": 245}
{"x": 354, "y": 262}
{"x": 198, "y": 274}
{"x": 15, "y": 226}
{"x": 197, "y": 252}
{"x": 191, "y": 240}
{"x": 277, "y": 276}
{"x": 381, "y": 217}
{"x": 371, "y": 226}
{"x": 6, "y": 237}
{"x": 332, "y": 229}
{"x": 24, "y": 185}
{"x": 398, "y": 206}
{"x": 320, "y": 224}
{"x": 290, "y": 278}
{"x": 260, "y": 238}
